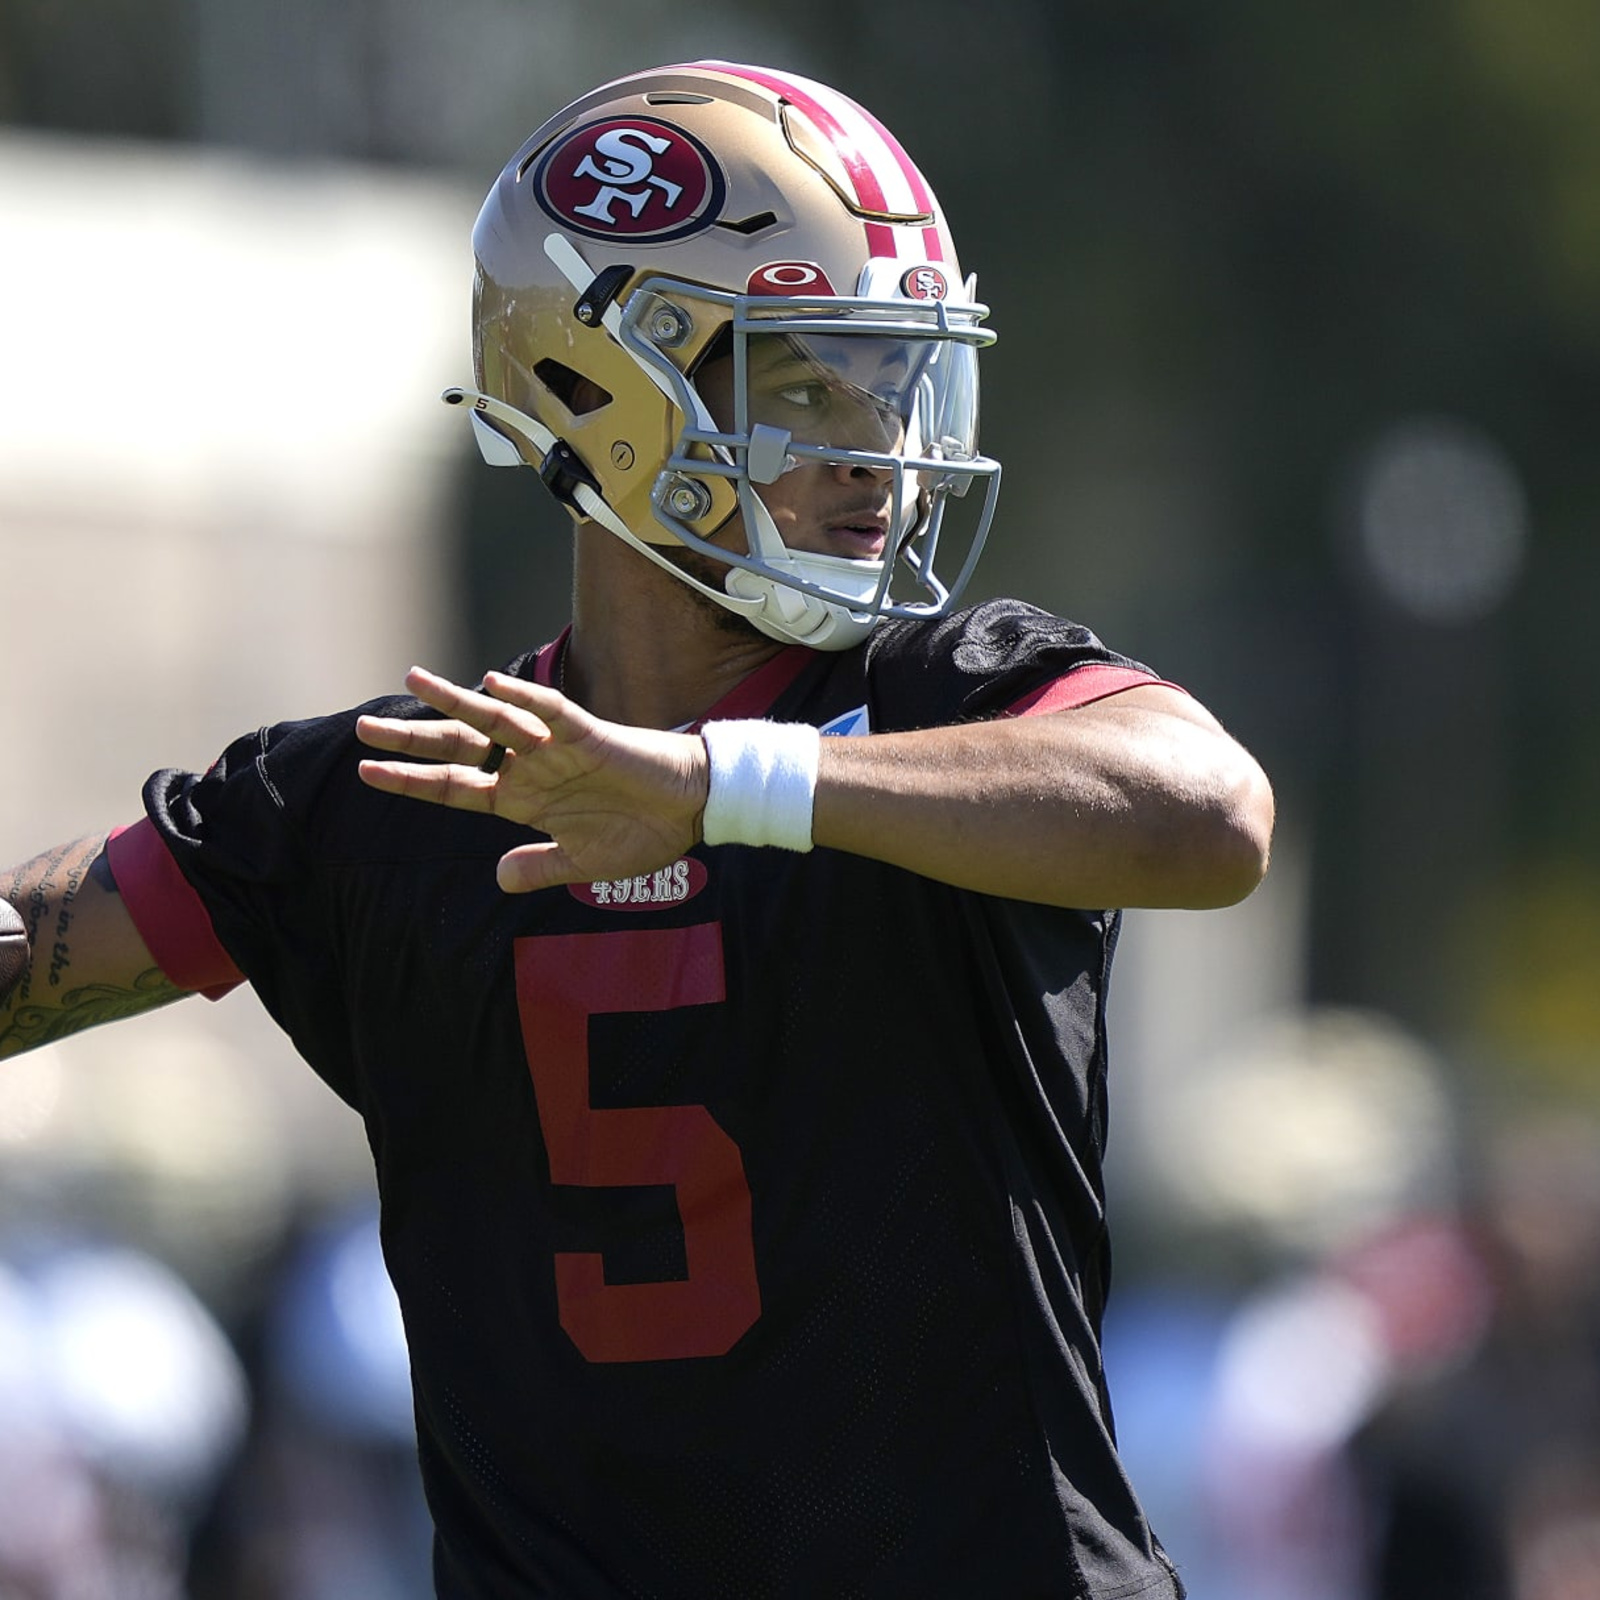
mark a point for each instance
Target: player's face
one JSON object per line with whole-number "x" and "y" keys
{"x": 842, "y": 394}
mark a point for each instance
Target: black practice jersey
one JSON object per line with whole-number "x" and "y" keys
{"x": 747, "y": 1216}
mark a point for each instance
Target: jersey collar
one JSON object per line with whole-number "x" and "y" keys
{"x": 753, "y": 696}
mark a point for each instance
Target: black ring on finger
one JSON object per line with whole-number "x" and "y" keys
{"x": 491, "y": 762}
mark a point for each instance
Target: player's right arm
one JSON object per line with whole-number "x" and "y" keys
{"x": 90, "y": 964}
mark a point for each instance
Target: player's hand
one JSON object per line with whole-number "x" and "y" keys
{"x": 615, "y": 801}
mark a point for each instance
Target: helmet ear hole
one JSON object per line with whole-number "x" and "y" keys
{"x": 580, "y": 395}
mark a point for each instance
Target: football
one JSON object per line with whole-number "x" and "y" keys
{"x": 14, "y": 949}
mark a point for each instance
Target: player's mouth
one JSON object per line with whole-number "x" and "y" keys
{"x": 859, "y": 535}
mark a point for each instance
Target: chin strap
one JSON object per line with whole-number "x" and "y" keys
{"x": 792, "y": 614}
{"x": 771, "y": 607}
{"x": 499, "y": 451}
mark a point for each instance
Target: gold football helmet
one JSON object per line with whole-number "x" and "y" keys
{"x": 722, "y": 212}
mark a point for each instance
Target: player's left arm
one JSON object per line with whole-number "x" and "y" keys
{"x": 89, "y": 964}
{"x": 1138, "y": 799}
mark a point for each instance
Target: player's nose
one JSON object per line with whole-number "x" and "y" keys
{"x": 862, "y": 471}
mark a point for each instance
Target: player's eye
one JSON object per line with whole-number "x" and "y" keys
{"x": 804, "y": 396}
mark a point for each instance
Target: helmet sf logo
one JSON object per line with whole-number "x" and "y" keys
{"x": 925, "y": 283}
{"x": 630, "y": 178}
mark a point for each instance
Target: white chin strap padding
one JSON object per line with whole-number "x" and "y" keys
{"x": 797, "y": 618}
{"x": 791, "y": 614}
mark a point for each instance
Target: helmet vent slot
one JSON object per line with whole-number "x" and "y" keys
{"x": 677, "y": 97}
{"x": 750, "y": 226}
{"x": 580, "y": 395}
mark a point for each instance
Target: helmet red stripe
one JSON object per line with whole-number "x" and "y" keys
{"x": 919, "y": 187}
{"x": 869, "y": 188}
{"x": 920, "y": 191}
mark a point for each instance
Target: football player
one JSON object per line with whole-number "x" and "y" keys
{"x": 729, "y": 1021}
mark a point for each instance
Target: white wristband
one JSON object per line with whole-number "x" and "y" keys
{"x": 763, "y": 783}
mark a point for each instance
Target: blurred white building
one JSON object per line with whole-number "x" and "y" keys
{"x": 223, "y": 469}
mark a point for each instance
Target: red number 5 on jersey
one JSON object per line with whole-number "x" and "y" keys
{"x": 562, "y": 981}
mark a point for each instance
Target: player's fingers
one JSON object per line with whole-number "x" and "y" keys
{"x": 535, "y": 866}
{"x": 464, "y": 788}
{"x": 565, "y": 719}
{"x": 431, "y": 741}
{"x": 499, "y": 720}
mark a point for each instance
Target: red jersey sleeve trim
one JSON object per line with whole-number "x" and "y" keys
{"x": 1081, "y": 687}
{"x": 547, "y": 664}
{"x": 170, "y": 916}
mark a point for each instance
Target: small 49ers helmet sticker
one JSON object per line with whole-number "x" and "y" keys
{"x": 632, "y": 178}
{"x": 925, "y": 283}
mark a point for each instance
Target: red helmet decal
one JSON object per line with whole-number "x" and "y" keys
{"x": 631, "y": 178}
{"x": 789, "y": 277}
{"x": 925, "y": 283}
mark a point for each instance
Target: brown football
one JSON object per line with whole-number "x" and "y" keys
{"x": 14, "y": 950}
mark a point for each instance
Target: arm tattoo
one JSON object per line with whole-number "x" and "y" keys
{"x": 47, "y": 1006}
{"x": 28, "y": 1027}
{"x": 60, "y": 952}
